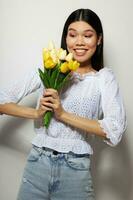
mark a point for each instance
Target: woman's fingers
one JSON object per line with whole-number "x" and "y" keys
{"x": 42, "y": 110}
{"x": 46, "y": 108}
{"x": 48, "y": 100}
{"x": 51, "y": 100}
{"x": 51, "y": 92}
{"x": 48, "y": 104}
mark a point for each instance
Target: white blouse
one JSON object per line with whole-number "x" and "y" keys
{"x": 91, "y": 95}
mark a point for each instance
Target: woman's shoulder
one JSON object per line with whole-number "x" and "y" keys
{"x": 107, "y": 78}
{"x": 106, "y": 71}
{"x": 106, "y": 74}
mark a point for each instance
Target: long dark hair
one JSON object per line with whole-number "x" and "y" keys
{"x": 92, "y": 19}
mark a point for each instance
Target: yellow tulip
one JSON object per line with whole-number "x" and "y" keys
{"x": 61, "y": 54}
{"x": 46, "y": 54}
{"x": 64, "y": 67}
{"x": 53, "y": 54}
{"x": 73, "y": 65}
{"x": 51, "y": 45}
{"x": 49, "y": 64}
{"x": 69, "y": 57}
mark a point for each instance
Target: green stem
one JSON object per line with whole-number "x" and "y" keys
{"x": 47, "y": 118}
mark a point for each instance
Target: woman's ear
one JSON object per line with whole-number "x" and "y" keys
{"x": 99, "y": 40}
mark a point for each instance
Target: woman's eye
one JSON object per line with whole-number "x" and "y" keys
{"x": 72, "y": 35}
{"x": 88, "y": 36}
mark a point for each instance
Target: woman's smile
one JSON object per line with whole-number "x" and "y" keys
{"x": 82, "y": 41}
{"x": 80, "y": 51}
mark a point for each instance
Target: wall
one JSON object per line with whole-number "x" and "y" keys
{"x": 26, "y": 27}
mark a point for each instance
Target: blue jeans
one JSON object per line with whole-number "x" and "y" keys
{"x": 65, "y": 176}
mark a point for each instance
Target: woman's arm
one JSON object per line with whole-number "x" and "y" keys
{"x": 18, "y": 111}
{"x": 51, "y": 99}
{"x": 90, "y": 126}
{"x": 11, "y": 95}
{"x": 22, "y": 111}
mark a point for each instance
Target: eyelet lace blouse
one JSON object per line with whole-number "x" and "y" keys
{"x": 91, "y": 95}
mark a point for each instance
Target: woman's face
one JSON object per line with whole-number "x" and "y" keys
{"x": 82, "y": 41}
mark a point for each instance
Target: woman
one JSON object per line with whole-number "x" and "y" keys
{"x": 58, "y": 166}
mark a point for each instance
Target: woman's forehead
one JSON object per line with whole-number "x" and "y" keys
{"x": 80, "y": 25}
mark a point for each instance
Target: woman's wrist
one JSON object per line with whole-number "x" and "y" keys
{"x": 39, "y": 113}
{"x": 36, "y": 114}
{"x": 62, "y": 115}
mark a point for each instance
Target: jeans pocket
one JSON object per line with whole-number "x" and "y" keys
{"x": 82, "y": 163}
{"x": 34, "y": 155}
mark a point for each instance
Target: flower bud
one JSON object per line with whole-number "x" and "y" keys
{"x": 61, "y": 54}
{"x": 51, "y": 45}
{"x": 64, "y": 67}
{"x": 69, "y": 57}
{"x": 73, "y": 65}
{"x": 49, "y": 64}
{"x": 53, "y": 54}
{"x": 46, "y": 54}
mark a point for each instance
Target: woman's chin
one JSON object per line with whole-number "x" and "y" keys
{"x": 81, "y": 59}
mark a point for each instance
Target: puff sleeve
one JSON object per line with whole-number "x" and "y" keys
{"x": 19, "y": 89}
{"x": 114, "y": 117}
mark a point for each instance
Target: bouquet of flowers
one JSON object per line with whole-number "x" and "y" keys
{"x": 57, "y": 70}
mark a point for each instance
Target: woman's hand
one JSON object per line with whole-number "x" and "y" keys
{"x": 51, "y": 101}
{"x": 42, "y": 108}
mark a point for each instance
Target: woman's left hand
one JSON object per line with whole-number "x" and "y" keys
{"x": 52, "y": 100}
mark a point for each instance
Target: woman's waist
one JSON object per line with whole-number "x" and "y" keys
{"x": 76, "y": 145}
{"x": 52, "y": 152}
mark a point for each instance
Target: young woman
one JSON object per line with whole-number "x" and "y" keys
{"x": 58, "y": 165}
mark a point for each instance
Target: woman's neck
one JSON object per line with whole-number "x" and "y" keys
{"x": 85, "y": 69}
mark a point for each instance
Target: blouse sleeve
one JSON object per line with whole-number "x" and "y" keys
{"x": 19, "y": 89}
{"x": 114, "y": 116}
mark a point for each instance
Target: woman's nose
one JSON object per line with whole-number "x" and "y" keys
{"x": 80, "y": 40}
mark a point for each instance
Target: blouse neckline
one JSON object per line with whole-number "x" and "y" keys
{"x": 88, "y": 74}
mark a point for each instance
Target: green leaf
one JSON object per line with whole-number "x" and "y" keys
{"x": 56, "y": 80}
{"x": 60, "y": 78}
{"x": 44, "y": 78}
{"x": 65, "y": 80}
{"x": 41, "y": 74}
{"x": 53, "y": 77}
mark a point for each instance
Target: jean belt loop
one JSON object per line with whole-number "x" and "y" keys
{"x": 66, "y": 156}
{"x": 40, "y": 151}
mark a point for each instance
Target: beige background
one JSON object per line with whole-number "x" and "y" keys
{"x": 26, "y": 26}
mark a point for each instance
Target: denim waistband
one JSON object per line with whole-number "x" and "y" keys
{"x": 48, "y": 151}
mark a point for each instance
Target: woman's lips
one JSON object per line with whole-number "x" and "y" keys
{"x": 80, "y": 52}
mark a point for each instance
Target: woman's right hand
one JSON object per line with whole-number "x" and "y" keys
{"x": 43, "y": 108}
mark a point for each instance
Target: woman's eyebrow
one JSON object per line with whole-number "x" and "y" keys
{"x": 71, "y": 29}
{"x": 87, "y": 30}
